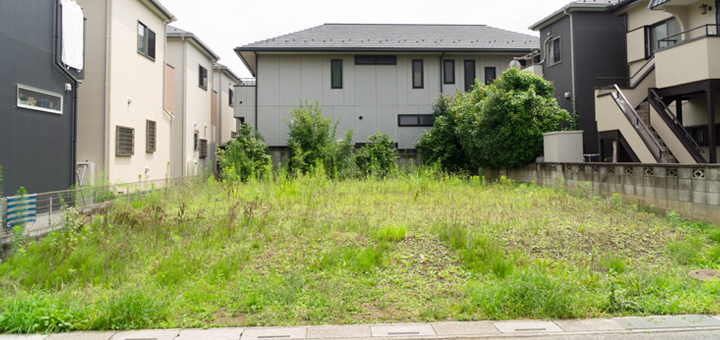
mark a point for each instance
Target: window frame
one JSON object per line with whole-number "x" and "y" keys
{"x": 334, "y": 62}
{"x": 422, "y": 73}
{"x": 419, "y": 120}
{"x": 375, "y": 59}
{"x": 494, "y": 72}
{"x": 203, "y": 149}
{"x": 20, "y": 104}
{"x": 231, "y": 97}
{"x": 146, "y": 41}
{"x": 202, "y": 78}
{"x": 122, "y": 152}
{"x": 649, "y": 52}
{"x": 465, "y": 73}
{"x": 551, "y": 42}
{"x": 150, "y": 139}
{"x": 451, "y": 62}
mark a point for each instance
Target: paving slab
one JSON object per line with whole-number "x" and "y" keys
{"x": 589, "y": 325}
{"x": 23, "y": 336}
{"x": 147, "y": 334}
{"x": 527, "y": 326}
{"x": 232, "y": 333}
{"x": 660, "y": 322}
{"x": 81, "y": 336}
{"x": 343, "y": 331}
{"x": 274, "y": 333}
{"x": 402, "y": 330}
{"x": 465, "y": 328}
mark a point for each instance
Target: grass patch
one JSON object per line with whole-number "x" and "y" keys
{"x": 419, "y": 246}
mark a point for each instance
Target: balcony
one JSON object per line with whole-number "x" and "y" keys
{"x": 693, "y": 57}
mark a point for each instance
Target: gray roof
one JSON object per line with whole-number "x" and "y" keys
{"x": 392, "y": 38}
{"x": 376, "y": 37}
{"x": 174, "y": 32}
{"x": 577, "y": 5}
{"x": 655, "y": 3}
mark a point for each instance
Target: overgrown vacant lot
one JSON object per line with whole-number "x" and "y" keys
{"x": 417, "y": 247}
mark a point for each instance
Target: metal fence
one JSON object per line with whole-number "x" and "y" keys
{"x": 50, "y": 205}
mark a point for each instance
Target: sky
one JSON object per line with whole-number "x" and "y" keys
{"x": 226, "y": 24}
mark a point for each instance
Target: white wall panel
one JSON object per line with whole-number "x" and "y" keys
{"x": 268, "y": 82}
{"x": 365, "y": 85}
{"x": 387, "y": 120}
{"x": 312, "y": 78}
{"x": 387, "y": 90}
{"x": 269, "y": 125}
{"x": 367, "y": 126}
{"x": 290, "y": 79}
{"x": 332, "y": 96}
{"x": 346, "y": 117}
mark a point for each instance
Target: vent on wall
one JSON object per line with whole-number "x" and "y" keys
{"x": 124, "y": 141}
{"x": 151, "y": 130}
{"x": 203, "y": 148}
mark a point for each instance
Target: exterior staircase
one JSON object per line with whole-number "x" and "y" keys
{"x": 643, "y": 111}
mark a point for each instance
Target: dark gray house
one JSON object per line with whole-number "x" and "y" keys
{"x": 38, "y": 93}
{"x": 583, "y": 47}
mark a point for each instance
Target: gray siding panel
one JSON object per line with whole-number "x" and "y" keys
{"x": 35, "y": 147}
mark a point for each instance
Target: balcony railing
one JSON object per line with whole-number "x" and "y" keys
{"x": 247, "y": 82}
{"x": 709, "y": 30}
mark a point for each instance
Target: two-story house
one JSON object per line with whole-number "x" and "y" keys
{"x": 370, "y": 77}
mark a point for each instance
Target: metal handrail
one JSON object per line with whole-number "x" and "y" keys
{"x": 675, "y": 120}
{"x": 652, "y": 58}
{"x": 640, "y": 126}
{"x": 248, "y": 82}
{"x": 675, "y": 41}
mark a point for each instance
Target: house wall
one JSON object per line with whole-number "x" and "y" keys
{"x": 371, "y": 99}
{"x": 226, "y": 120}
{"x": 175, "y": 58}
{"x": 142, "y": 79}
{"x": 639, "y": 16}
{"x": 245, "y": 103}
{"x": 35, "y": 146}
{"x": 499, "y": 62}
{"x": 561, "y": 73}
{"x": 91, "y": 100}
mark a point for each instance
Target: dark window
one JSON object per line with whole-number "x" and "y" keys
{"x": 449, "y": 71}
{"x": 469, "y": 74}
{"x": 202, "y": 77}
{"x": 336, "y": 70}
{"x": 146, "y": 41}
{"x": 196, "y": 140}
{"x": 416, "y": 120}
{"x": 417, "y": 74}
{"x": 203, "y": 148}
{"x": 375, "y": 60}
{"x": 124, "y": 141}
{"x": 489, "y": 75}
{"x": 151, "y": 136}
{"x": 554, "y": 51}
{"x": 656, "y": 36}
{"x": 231, "y": 97}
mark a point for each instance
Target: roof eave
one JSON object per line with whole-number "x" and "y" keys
{"x": 205, "y": 49}
{"x": 565, "y": 10}
{"x": 389, "y": 49}
{"x": 161, "y": 10}
{"x": 239, "y": 53}
{"x": 622, "y": 5}
{"x": 227, "y": 71}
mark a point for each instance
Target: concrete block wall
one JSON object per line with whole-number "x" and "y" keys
{"x": 691, "y": 190}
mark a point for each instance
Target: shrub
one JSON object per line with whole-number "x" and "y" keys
{"x": 441, "y": 143}
{"x": 312, "y": 142}
{"x": 501, "y": 124}
{"x": 378, "y": 156}
{"x": 245, "y": 156}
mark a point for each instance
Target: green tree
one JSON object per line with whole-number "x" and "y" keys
{"x": 378, "y": 156}
{"x": 245, "y": 156}
{"x": 441, "y": 143}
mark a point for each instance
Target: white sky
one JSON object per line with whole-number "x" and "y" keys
{"x": 226, "y": 24}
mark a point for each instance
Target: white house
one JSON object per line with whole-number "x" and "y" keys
{"x": 371, "y": 77}
{"x": 224, "y": 82}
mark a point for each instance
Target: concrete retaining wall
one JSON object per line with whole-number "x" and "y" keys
{"x": 691, "y": 190}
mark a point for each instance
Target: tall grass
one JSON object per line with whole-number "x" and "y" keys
{"x": 305, "y": 249}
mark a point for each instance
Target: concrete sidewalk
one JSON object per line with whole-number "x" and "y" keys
{"x": 434, "y": 330}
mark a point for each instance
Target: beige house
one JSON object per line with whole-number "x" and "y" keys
{"x": 666, "y": 111}
{"x": 123, "y": 133}
{"x": 224, "y": 82}
{"x": 193, "y": 99}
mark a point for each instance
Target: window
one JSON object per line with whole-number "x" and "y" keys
{"x": 469, "y": 74}
{"x": 239, "y": 122}
{"x": 489, "y": 75}
{"x": 146, "y": 41}
{"x": 336, "y": 70}
{"x": 553, "y": 51}
{"x": 40, "y": 100}
{"x": 416, "y": 120}
{"x": 375, "y": 60}
{"x": 196, "y": 140}
{"x": 202, "y": 77}
{"x": 151, "y": 135}
{"x": 124, "y": 141}
{"x": 449, "y": 71}
{"x": 203, "y": 148}
{"x": 417, "y": 74}
{"x": 655, "y": 34}
{"x": 231, "y": 97}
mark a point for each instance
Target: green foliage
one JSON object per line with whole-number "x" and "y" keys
{"x": 392, "y": 232}
{"x": 38, "y": 312}
{"x": 377, "y": 157}
{"x": 244, "y": 157}
{"x": 1, "y": 182}
{"x": 480, "y": 253}
{"x": 441, "y": 143}
{"x": 503, "y": 124}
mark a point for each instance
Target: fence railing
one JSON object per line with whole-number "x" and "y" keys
{"x": 49, "y": 205}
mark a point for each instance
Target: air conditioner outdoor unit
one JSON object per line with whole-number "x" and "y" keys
{"x": 85, "y": 173}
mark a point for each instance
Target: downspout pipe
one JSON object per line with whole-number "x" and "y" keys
{"x": 442, "y": 69}
{"x": 184, "y": 108}
{"x": 572, "y": 56}
{"x": 106, "y": 99}
{"x": 257, "y": 87}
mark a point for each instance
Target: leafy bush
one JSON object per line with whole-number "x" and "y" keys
{"x": 312, "y": 142}
{"x": 378, "y": 156}
{"x": 245, "y": 156}
{"x": 502, "y": 123}
{"x": 441, "y": 143}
